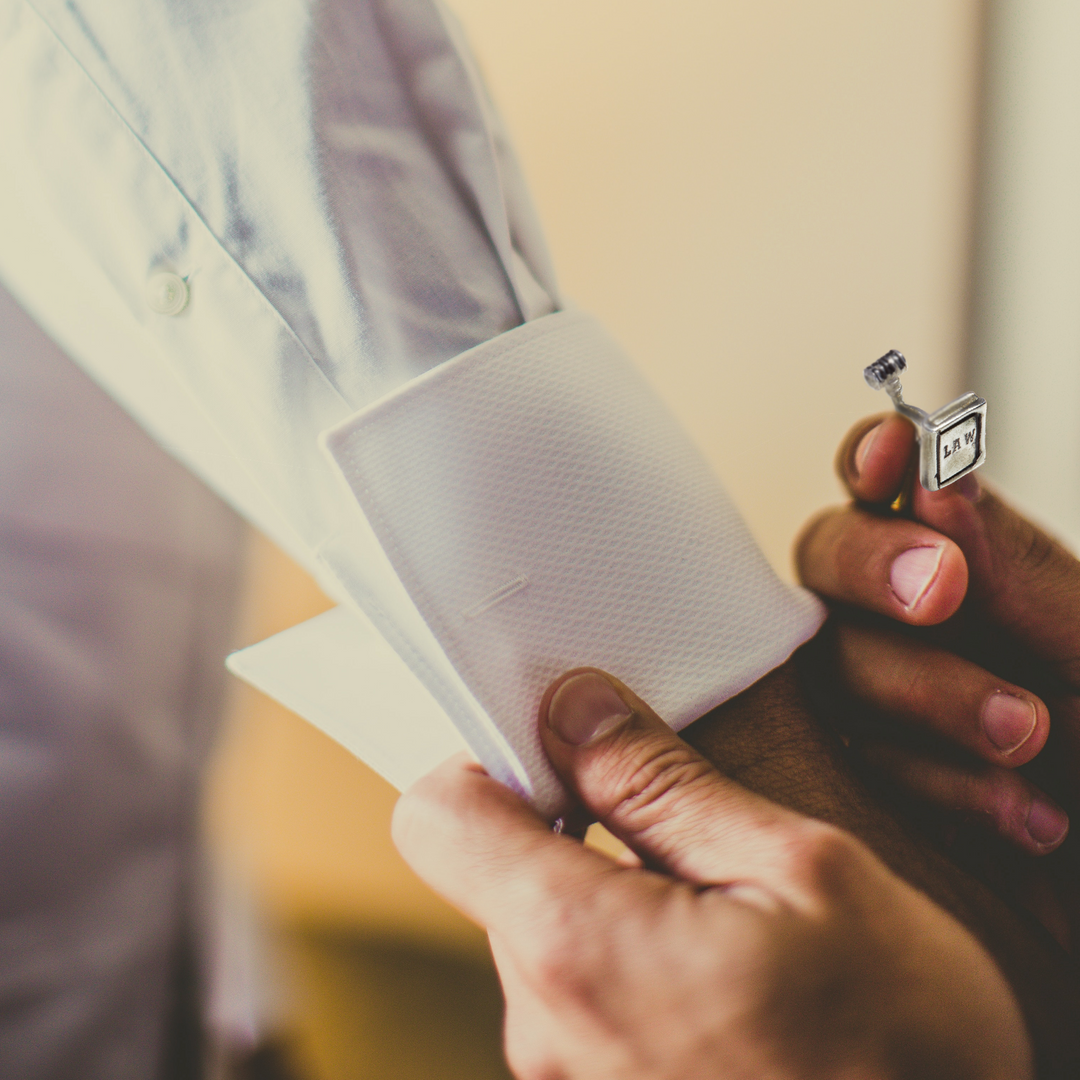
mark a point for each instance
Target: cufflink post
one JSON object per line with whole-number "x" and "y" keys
{"x": 952, "y": 441}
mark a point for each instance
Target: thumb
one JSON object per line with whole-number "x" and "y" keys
{"x": 658, "y": 794}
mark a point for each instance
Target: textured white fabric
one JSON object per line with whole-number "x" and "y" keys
{"x": 545, "y": 512}
{"x": 337, "y": 671}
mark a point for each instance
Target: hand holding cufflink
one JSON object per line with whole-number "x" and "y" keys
{"x": 952, "y": 711}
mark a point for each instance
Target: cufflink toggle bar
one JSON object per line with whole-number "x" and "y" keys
{"x": 952, "y": 441}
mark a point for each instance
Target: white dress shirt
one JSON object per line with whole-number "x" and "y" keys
{"x": 292, "y": 240}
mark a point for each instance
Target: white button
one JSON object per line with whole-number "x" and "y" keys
{"x": 167, "y": 293}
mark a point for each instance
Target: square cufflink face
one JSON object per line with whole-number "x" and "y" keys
{"x": 953, "y": 442}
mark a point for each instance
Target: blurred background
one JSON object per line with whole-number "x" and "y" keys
{"x": 757, "y": 199}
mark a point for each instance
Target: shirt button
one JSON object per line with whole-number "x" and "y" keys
{"x": 166, "y": 293}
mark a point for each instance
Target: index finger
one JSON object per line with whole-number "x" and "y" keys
{"x": 1024, "y": 579}
{"x": 481, "y": 847}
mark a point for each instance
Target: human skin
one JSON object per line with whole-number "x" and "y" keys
{"x": 752, "y": 942}
{"x": 1003, "y": 601}
{"x": 773, "y": 741}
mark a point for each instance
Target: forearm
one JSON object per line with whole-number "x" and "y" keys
{"x": 769, "y": 741}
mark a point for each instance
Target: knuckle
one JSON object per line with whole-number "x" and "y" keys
{"x": 916, "y": 678}
{"x": 438, "y": 797}
{"x": 854, "y": 561}
{"x": 526, "y": 1055}
{"x": 994, "y": 793}
{"x": 558, "y": 953}
{"x": 656, "y": 784}
{"x": 528, "y": 1062}
{"x": 823, "y": 861}
{"x": 1034, "y": 550}
{"x": 577, "y": 951}
{"x": 414, "y": 810}
{"x": 556, "y": 968}
{"x": 532, "y": 1065}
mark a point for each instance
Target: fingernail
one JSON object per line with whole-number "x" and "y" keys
{"x": 1008, "y": 721}
{"x": 863, "y": 448}
{"x": 913, "y": 572}
{"x": 969, "y": 487}
{"x": 1046, "y": 824}
{"x": 584, "y": 708}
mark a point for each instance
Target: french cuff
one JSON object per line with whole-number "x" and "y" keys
{"x": 545, "y": 512}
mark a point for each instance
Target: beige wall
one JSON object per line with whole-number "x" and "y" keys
{"x": 1026, "y": 333}
{"x": 758, "y": 199}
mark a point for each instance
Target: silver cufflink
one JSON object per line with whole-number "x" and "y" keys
{"x": 952, "y": 441}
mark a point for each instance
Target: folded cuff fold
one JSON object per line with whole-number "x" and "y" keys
{"x": 544, "y": 511}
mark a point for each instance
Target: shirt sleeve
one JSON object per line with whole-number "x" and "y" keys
{"x": 365, "y": 351}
